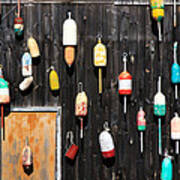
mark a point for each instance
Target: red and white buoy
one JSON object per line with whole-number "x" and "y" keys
{"x": 125, "y": 82}
{"x": 106, "y": 142}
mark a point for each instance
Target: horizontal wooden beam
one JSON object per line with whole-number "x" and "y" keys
{"x": 116, "y": 3}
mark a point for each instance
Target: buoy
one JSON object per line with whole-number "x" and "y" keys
{"x": 25, "y": 84}
{"x": 27, "y": 156}
{"x": 18, "y": 22}
{"x": 71, "y": 147}
{"x": 159, "y": 110}
{"x": 33, "y": 47}
{"x": 175, "y": 71}
{"x": 106, "y": 143}
{"x": 125, "y": 83}
{"x": 175, "y": 131}
{"x": 141, "y": 125}
{"x": 167, "y": 168}
{"x": 26, "y": 64}
{"x": 100, "y": 60}
{"x": 81, "y": 106}
{"x": 69, "y": 39}
{"x": 4, "y": 98}
{"x": 53, "y": 80}
{"x": 157, "y": 7}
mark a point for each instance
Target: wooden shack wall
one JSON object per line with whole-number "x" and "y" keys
{"x": 124, "y": 28}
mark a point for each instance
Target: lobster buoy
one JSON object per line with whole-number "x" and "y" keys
{"x": 175, "y": 131}
{"x": 106, "y": 143}
{"x": 26, "y": 64}
{"x": 25, "y": 84}
{"x": 100, "y": 60}
{"x": 125, "y": 82}
{"x": 18, "y": 26}
{"x": 167, "y": 168}
{"x": 157, "y": 7}
{"x": 53, "y": 80}
{"x": 69, "y": 39}
{"x": 141, "y": 124}
{"x": 159, "y": 110}
{"x": 175, "y": 73}
{"x": 81, "y": 106}
{"x": 33, "y": 47}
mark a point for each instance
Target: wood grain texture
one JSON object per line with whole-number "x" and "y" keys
{"x": 39, "y": 128}
{"x": 124, "y": 28}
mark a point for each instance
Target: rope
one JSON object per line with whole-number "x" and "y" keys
{"x": 19, "y": 8}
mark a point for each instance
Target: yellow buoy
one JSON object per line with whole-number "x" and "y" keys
{"x": 54, "y": 80}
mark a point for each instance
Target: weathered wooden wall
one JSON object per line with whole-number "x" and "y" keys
{"x": 124, "y": 28}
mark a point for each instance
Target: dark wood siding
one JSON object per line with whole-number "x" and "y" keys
{"x": 124, "y": 28}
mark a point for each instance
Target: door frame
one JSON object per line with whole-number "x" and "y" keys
{"x": 58, "y": 138}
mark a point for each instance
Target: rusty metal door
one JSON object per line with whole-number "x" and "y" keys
{"x": 40, "y": 129}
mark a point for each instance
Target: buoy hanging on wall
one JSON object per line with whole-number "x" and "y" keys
{"x": 141, "y": 125}
{"x": 81, "y": 106}
{"x": 157, "y": 7}
{"x": 18, "y": 22}
{"x": 33, "y": 47}
{"x": 125, "y": 82}
{"x": 26, "y": 62}
{"x": 4, "y": 98}
{"x": 25, "y": 84}
{"x": 159, "y": 110}
{"x": 106, "y": 143}
{"x": 100, "y": 60}
{"x": 71, "y": 147}
{"x": 167, "y": 168}
{"x": 69, "y": 39}
{"x": 53, "y": 80}
{"x": 175, "y": 71}
{"x": 175, "y": 131}
{"x": 27, "y": 158}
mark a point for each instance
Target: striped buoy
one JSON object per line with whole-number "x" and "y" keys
{"x": 157, "y": 7}
{"x": 159, "y": 110}
{"x": 175, "y": 130}
{"x": 69, "y": 39}
{"x": 125, "y": 82}
{"x": 141, "y": 125}
{"x": 106, "y": 143}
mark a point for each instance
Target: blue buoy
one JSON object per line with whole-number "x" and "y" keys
{"x": 175, "y": 73}
{"x": 167, "y": 168}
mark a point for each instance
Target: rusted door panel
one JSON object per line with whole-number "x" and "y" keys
{"x": 40, "y": 130}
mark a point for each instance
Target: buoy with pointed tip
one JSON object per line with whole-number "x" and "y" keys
{"x": 175, "y": 131}
{"x": 167, "y": 168}
{"x": 53, "y": 80}
{"x": 69, "y": 39}
{"x": 106, "y": 143}
{"x": 159, "y": 110}
{"x": 100, "y": 60}
{"x": 157, "y": 7}
{"x": 175, "y": 71}
{"x": 125, "y": 82}
{"x": 141, "y": 125}
{"x": 4, "y": 98}
{"x": 33, "y": 47}
{"x": 26, "y": 62}
{"x": 81, "y": 106}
